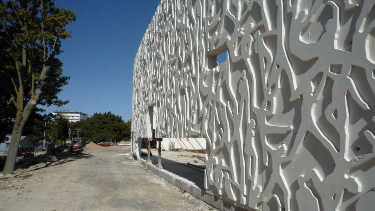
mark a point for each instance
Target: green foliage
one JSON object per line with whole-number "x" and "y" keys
{"x": 30, "y": 36}
{"x": 31, "y": 32}
{"x": 35, "y": 126}
{"x": 128, "y": 130}
{"x": 57, "y": 130}
{"x": 27, "y": 26}
{"x": 105, "y": 127}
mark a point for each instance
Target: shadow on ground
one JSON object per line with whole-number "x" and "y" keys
{"x": 193, "y": 175}
{"x": 47, "y": 160}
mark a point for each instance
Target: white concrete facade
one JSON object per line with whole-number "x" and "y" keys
{"x": 289, "y": 116}
{"x": 71, "y": 116}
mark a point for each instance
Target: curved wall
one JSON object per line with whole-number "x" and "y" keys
{"x": 282, "y": 90}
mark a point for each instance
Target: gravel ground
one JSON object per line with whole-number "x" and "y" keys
{"x": 99, "y": 179}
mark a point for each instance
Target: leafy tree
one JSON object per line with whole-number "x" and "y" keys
{"x": 36, "y": 125}
{"x": 57, "y": 130}
{"x": 5, "y": 108}
{"x": 5, "y": 118}
{"x": 128, "y": 130}
{"x": 105, "y": 127}
{"x": 30, "y": 35}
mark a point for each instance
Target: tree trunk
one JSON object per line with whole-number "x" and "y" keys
{"x": 13, "y": 147}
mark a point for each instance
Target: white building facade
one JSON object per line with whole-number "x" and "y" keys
{"x": 288, "y": 118}
{"x": 72, "y": 116}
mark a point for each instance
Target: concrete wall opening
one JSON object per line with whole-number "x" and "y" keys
{"x": 152, "y": 121}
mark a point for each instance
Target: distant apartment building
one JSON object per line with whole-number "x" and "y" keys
{"x": 72, "y": 116}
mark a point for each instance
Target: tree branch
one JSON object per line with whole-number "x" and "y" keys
{"x": 20, "y": 84}
{"x": 46, "y": 57}
{"x": 15, "y": 11}
{"x": 33, "y": 100}
{"x": 43, "y": 39}
{"x": 14, "y": 85}
{"x": 43, "y": 73}
{"x": 18, "y": 18}
{"x": 13, "y": 101}
{"x": 32, "y": 85}
{"x": 52, "y": 49}
{"x": 24, "y": 60}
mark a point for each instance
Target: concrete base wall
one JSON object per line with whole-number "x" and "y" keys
{"x": 190, "y": 188}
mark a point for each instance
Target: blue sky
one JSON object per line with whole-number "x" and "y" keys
{"x": 100, "y": 55}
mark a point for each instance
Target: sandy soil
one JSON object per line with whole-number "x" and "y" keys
{"x": 101, "y": 178}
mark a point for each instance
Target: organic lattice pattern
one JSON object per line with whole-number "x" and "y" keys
{"x": 288, "y": 116}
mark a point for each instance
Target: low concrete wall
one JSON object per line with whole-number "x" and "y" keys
{"x": 190, "y": 188}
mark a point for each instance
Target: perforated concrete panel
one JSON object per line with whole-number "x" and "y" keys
{"x": 282, "y": 90}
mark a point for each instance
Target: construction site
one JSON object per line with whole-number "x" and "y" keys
{"x": 254, "y": 105}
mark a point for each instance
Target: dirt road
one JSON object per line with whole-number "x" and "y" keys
{"x": 100, "y": 179}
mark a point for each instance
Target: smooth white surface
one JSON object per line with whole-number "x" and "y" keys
{"x": 288, "y": 116}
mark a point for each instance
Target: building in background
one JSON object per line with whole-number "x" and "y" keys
{"x": 71, "y": 116}
{"x": 26, "y": 144}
